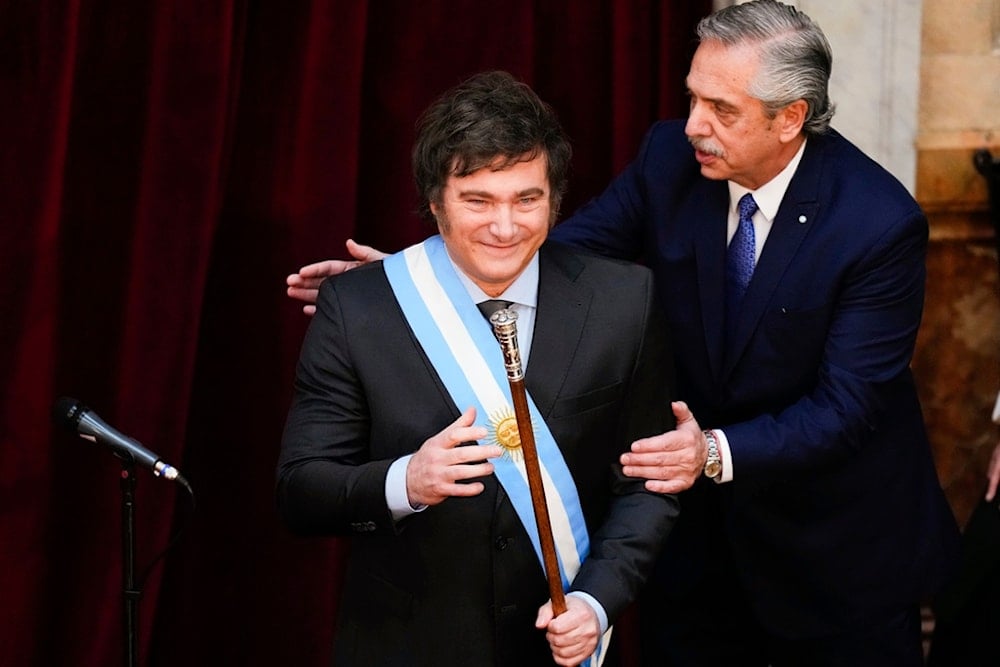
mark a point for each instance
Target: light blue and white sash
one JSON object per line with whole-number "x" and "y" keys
{"x": 460, "y": 345}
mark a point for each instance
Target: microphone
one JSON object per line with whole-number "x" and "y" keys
{"x": 77, "y": 417}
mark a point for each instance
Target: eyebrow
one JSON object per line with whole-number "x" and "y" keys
{"x": 489, "y": 195}
{"x": 717, "y": 101}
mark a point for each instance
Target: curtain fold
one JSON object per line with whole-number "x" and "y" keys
{"x": 165, "y": 165}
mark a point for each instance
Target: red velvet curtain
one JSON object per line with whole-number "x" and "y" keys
{"x": 163, "y": 167}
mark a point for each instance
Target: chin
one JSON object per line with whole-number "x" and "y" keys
{"x": 713, "y": 174}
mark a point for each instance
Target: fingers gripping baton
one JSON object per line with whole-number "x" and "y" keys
{"x": 504, "y": 323}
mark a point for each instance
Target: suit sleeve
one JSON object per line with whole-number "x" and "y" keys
{"x": 326, "y": 481}
{"x": 625, "y": 546}
{"x": 614, "y": 224}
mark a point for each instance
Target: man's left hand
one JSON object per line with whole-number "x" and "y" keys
{"x": 670, "y": 462}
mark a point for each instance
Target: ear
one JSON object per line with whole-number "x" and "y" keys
{"x": 790, "y": 120}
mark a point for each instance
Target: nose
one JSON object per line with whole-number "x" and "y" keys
{"x": 503, "y": 226}
{"x": 697, "y": 124}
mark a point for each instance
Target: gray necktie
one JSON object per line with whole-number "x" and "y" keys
{"x": 487, "y": 308}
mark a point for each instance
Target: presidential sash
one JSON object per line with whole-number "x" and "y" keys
{"x": 460, "y": 345}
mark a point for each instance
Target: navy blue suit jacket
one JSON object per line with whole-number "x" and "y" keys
{"x": 835, "y": 511}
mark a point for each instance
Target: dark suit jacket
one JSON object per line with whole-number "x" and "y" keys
{"x": 459, "y": 583}
{"x": 835, "y": 512}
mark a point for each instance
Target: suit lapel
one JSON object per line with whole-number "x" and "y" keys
{"x": 709, "y": 206}
{"x": 562, "y": 310}
{"x": 791, "y": 224}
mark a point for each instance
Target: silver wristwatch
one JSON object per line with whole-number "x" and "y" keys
{"x": 713, "y": 464}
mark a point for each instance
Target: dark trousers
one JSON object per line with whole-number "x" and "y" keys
{"x": 968, "y": 609}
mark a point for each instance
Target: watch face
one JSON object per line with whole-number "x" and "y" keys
{"x": 713, "y": 468}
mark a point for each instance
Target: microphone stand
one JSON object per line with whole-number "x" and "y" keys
{"x": 130, "y": 596}
{"x": 69, "y": 413}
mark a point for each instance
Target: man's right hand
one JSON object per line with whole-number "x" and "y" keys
{"x": 304, "y": 285}
{"x": 671, "y": 462}
{"x": 438, "y": 469}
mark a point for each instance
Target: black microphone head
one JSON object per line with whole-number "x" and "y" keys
{"x": 67, "y": 412}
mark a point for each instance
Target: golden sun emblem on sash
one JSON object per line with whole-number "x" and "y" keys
{"x": 504, "y": 432}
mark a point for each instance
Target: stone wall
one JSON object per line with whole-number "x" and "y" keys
{"x": 957, "y": 362}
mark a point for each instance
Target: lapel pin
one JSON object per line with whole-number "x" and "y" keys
{"x": 802, "y": 218}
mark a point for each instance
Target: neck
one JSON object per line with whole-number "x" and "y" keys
{"x": 775, "y": 166}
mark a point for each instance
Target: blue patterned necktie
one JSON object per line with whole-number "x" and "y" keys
{"x": 740, "y": 260}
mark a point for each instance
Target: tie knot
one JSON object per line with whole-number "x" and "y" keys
{"x": 487, "y": 308}
{"x": 747, "y": 206}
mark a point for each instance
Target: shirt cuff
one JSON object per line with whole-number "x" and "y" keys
{"x": 395, "y": 490}
{"x": 727, "y": 457}
{"x": 602, "y": 616}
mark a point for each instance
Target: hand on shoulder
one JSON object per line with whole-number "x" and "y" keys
{"x": 304, "y": 285}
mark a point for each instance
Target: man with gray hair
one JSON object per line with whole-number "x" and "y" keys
{"x": 791, "y": 269}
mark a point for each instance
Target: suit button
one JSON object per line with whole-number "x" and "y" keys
{"x": 501, "y": 543}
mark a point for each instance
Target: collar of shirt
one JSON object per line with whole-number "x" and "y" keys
{"x": 768, "y": 198}
{"x": 522, "y": 293}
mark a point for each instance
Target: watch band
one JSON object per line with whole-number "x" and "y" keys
{"x": 713, "y": 464}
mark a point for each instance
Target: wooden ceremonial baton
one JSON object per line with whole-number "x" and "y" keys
{"x": 504, "y": 323}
